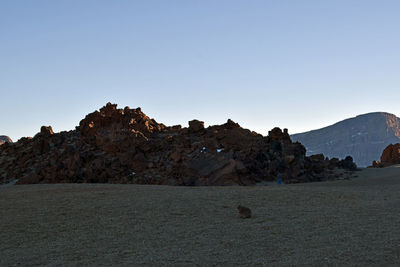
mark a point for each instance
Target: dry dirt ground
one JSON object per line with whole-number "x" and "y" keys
{"x": 348, "y": 222}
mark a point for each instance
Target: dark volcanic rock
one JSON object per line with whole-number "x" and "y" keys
{"x": 196, "y": 125}
{"x": 125, "y": 146}
{"x": 363, "y": 137}
{"x": 5, "y": 139}
{"x": 244, "y": 212}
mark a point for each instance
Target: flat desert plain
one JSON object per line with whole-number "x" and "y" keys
{"x": 344, "y": 223}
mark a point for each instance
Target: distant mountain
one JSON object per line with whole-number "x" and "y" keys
{"x": 5, "y": 139}
{"x": 363, "y": 137}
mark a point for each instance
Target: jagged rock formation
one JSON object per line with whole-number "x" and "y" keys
{"x": 363, "y": 137}
{"x": 390, "y": 156}
{"x": 5, "y": 139}
{"x": 125, "y": 146}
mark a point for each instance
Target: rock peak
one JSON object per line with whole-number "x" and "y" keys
{"x": 5, "y": 139}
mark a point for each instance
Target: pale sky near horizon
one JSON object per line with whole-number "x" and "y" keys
{"x": 300, "y": 65}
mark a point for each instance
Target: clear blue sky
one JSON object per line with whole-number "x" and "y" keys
{"x": 294, "y": 64}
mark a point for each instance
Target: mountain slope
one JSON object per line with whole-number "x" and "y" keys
{"x": 363, "y": 137}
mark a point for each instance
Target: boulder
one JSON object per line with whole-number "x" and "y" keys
{"x": 196, "y": 125}
{"x": 390, "y": 156}
{"x": 46, "y": 131}
{"x": 348, "y": 164}
{"x": 5, "y": 139}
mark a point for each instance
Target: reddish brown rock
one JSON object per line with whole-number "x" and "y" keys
{"x": 5, "y": 139}
{"x": 46, "y": 131}
{"x": 196, "y": 125}
{"x": 390, "y": 156}
{"x": 125, "y": 146}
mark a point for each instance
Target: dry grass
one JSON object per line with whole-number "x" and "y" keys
{"x": 350, "y": 222}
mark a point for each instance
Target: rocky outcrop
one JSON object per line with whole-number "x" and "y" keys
{"x": 363, "y": 137}
{"x": 125, "y": 146}
{"x": 5, "y": 139}
{"x": 390, "y": 156}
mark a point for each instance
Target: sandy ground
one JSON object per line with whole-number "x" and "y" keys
{"x": 348, "y": 222}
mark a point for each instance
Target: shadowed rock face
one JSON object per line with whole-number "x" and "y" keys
{"x": 125, "y": 146}
{"x": 5, "y": 139}
{"x": 363, "y": 137}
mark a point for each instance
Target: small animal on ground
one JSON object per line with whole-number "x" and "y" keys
{"x": 244, "y": 212}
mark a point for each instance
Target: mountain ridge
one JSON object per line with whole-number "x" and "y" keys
{"x": 363, "y": 137}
